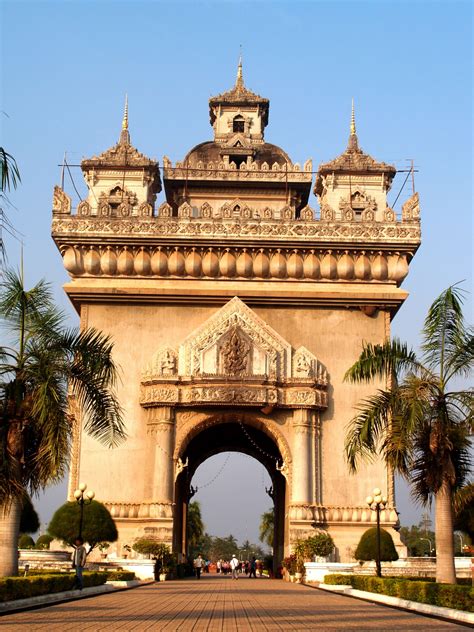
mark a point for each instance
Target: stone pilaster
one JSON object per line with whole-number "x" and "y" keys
{"x": 161, "y": 433}
{"x": 303, "y": 475}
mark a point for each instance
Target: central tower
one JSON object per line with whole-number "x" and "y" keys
{"x": 235, "y": 310}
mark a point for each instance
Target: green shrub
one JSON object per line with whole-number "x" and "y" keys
{"x": 423, "y": 591}
{"x": 26, "y": 542}
{"x": 44, "y": 541}
{"x": 12, "y": 588}
{"x": 99, "y": 526}
{"x": 320, "y": 544}
{"x": 367, "y": 547}
{"x": 120, "y": 576}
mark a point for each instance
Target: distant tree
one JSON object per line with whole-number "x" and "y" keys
{"x": 98, "y": 525}
{"x": 195, "y": 528}
{"x": 249, "y": 549}
{"x": 266, "y": 530}
{"x": 418, "y": 541}
{"x": 43, "y": 541}
{"x": 223, "y": 548}
{"x": 25, "y": 541}
{"x": 367, "y": 548}
{"x": 29, "y": 520}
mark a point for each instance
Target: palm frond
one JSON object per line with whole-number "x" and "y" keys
{"x": 381, "y": 361}
{"x": 444, "y": 331}
{"x": 10, "y": 174}
{"x": 461, "y": 361}
{"x": 463, "y": 497}
{"x": 365, "y": 430}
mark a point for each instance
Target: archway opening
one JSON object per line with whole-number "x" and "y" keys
{"x": 231, "y": 437}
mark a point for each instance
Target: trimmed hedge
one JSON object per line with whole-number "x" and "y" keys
{"x": 423, "y": 591}
{"x": 12, "y": 588}
{"x": 120, "y": 576}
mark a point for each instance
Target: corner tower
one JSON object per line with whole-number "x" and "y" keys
{"x": 235, "y": 309}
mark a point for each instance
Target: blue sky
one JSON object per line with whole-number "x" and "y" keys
{"x": 67, "y": 65}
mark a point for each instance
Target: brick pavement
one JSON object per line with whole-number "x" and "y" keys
{"x": 220, "y": 604}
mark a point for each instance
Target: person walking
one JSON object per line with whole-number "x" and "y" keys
{"x": 234, "y": 565}
{"x": 78, "y": 562}
{"x": 253, "y": 568}
{"x": 198, "y": 565}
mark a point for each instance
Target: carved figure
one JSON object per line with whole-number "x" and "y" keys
{"x": 61, "y": 201}
{"x": 180, "y": 466}
{"x": 284, "y": 469}
{"x": 303, "y": 366}
{"x": 234, "y": 354}
{"x": 168, "y": 364}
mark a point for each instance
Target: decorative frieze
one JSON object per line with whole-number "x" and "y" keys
{"x": 249, "y": 170}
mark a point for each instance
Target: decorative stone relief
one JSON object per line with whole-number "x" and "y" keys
{"x": 61, "y": 202}
{"x": 164, "y": 363}
{"x": 165, "y": 210}
{"x": 307, "y": 214}
{"x": 185, "y": 210}
{"x": 84, "y": 208}
{"x": 411, "y": 208}
{"x": 145, "y": 209}
{"x": 406, "y": 232}
{"x": 228, "y": 360}
{"x": 389, "y": 215}
{"x": 270, "y": 354}
{"x": 206, "y": 210}
{"x": 327, "y": 213}
{"x": 304, "y": 363}
{"x": 234, "y": 353}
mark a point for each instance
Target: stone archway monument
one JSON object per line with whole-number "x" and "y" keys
{"x": 235, "y": 311}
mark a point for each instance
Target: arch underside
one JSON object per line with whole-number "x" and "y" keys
{"x": 230, "y": 433}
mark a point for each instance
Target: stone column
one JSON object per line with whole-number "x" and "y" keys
{"x": 161, "y": 431}
{"x": 303, "y": 475}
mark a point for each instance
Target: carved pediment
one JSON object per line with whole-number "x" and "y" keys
{"x": 235, "y": 341}
{"x": 234, "y": 358}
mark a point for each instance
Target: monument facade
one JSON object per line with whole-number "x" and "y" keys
{"x": 235, "y": 309}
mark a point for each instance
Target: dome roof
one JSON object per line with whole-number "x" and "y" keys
{"x": 211, "y": 151}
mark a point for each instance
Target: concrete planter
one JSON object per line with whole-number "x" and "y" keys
{"x": 316, "y": 572}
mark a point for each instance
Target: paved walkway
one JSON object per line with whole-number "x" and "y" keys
{"x": 221, "y": 604}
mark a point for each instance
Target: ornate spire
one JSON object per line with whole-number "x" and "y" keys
{"x": 353, "y": 144}
{"x": 124, "y": 134}
{"x": 353, "y": 120}
{"x": 239, "y": 82}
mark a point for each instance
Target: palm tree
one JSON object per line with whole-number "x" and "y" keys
{"x": 44, "y": 362}
{"x": 419, "y": 423}
{"x": 267, "y": 524}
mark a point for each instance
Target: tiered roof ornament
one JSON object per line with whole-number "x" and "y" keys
{"x": 122, "y": 181}
{"x": 122, "y": 153}
{"x": 354, "y": 185}
{"x": 354, "y": 159}
{"x": 239, "y": 95}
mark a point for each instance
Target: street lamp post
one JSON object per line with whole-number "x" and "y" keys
{"x": 83, "y": 498}
{"x": 376, "y": 503}
{"x": 429, "y": 542}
